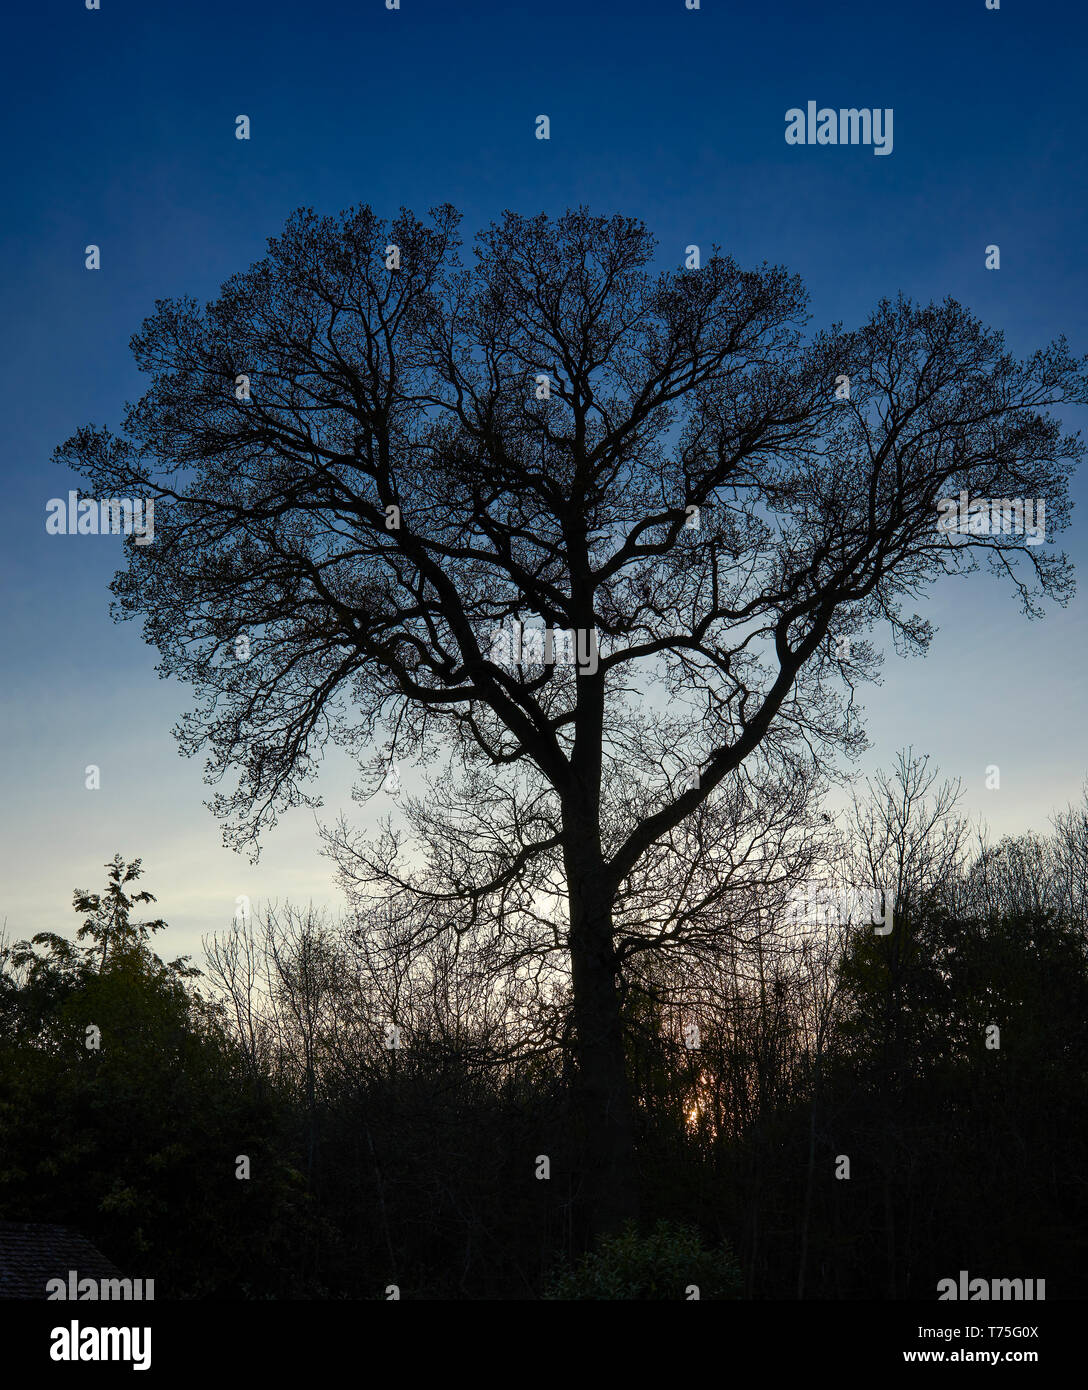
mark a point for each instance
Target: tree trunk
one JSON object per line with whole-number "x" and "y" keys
{"x": 806, "y": 1217}
{"x": 603, "y": 1096}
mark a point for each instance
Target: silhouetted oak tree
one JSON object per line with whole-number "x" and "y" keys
{"x": 430, "y": 453}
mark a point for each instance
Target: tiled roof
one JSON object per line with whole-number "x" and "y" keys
{"x": 31, "y": 1254}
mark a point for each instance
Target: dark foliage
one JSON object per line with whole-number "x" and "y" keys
{"x": 417, "y": 1166}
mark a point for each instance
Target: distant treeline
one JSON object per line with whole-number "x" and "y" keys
{"x": 834, "y": 1112}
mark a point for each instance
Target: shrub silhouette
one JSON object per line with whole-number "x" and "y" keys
{"x": 661, "y": 1265}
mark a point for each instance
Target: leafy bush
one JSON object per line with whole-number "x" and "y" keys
{"x": 661, "y": 1265}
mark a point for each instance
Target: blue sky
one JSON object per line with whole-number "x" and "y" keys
{"x": 119, "y": 131}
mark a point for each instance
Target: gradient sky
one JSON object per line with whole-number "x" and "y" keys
{"x": 119, "y": 131}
